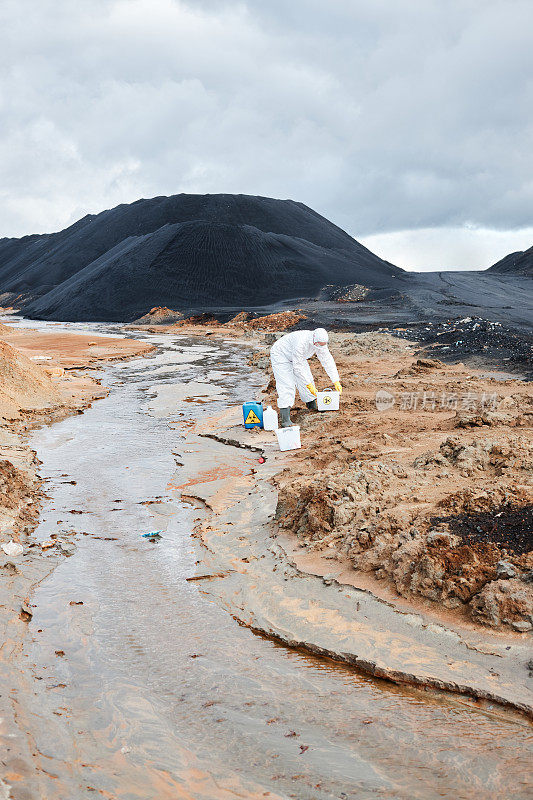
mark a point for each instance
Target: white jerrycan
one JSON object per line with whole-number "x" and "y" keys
{"x": 270, "y": 419}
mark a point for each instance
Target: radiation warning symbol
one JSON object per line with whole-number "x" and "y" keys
{"x": 252, "y": 418}
{"x": 326, "y": 400}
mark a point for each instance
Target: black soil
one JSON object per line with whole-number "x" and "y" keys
{"x": 509, "y": 527}
{"x": 184, "y": 252}
{"x": 474, "y": 338}
{"x": 520, "y": 263}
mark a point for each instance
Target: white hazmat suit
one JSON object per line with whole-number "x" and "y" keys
{"x": 289, "y": 361}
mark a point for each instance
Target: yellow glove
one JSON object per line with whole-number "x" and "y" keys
{"x": 338, "y": 387}
{"x": 312, "y": 389}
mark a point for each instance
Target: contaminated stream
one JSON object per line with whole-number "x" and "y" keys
{"x": 141, "y": 687}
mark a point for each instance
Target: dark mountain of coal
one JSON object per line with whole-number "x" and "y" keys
{"x": 520, "y": 263}
{"x": 184, "y": 251}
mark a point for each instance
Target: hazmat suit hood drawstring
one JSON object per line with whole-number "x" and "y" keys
{"x": 320, "y": 335}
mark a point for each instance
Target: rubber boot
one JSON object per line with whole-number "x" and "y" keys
{"x": 285, "y": 414}
{"x": 313, "y": 405}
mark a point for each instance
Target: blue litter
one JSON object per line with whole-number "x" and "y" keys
{"x": 152, "y": 535}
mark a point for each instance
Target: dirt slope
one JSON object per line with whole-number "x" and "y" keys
{"x": 23, "y": 384}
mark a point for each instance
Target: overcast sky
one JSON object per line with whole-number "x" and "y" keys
{"x": 407, "y": 122}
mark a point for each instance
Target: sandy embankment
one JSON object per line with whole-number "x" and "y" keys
{"x": 417, "y": 518}
{"x": 35, "y": 392}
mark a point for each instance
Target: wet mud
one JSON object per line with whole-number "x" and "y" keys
{"x": 133, "y": 681}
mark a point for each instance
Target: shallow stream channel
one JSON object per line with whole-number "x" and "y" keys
{"x": 135, "y": 685}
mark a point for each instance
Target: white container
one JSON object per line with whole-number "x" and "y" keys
{"x": 270, "y": 419}
{"x": 289, "y": 438}
{"x": 328, "y": 400}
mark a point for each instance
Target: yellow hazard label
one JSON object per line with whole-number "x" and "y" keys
{"x": 252, "y": 418}
{"x": 326, "y": 400}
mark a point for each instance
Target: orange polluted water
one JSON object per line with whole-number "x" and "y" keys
{"x": 160, "y": 693}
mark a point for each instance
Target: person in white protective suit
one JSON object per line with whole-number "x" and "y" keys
{"x": 289, "y": 362}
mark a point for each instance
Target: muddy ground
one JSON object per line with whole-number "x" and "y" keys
{"x": 312, "y": 600}
{"x": 267, "y": 572}
{"x": 40, "y": 383}
{"x": 423, "y": 479}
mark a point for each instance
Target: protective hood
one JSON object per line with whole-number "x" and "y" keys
{"x": 320, "y": 335}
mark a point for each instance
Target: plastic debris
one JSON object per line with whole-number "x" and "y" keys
{"x": 12, "y": 548}
{"x": 152, "y": 535}
{"x": 262, "y": 460}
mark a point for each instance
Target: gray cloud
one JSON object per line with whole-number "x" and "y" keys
{"x": 382, "y": 116}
